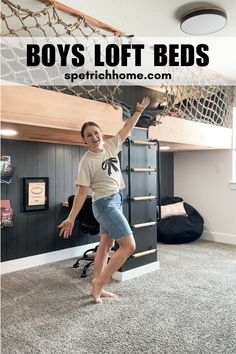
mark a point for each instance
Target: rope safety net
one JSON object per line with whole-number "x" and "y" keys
{"x": 44, "y": 19}
{"x": 211, "y": 104}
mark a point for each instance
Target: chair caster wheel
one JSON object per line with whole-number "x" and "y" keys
{"x": 76, "y": 265}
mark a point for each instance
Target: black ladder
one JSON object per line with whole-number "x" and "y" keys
{"x": 142, "y": 159}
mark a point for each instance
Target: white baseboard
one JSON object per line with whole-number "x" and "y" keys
{"x": 136, "y": 272}
{"x": 219, "y": 237}
{"x": 44, "y": 258}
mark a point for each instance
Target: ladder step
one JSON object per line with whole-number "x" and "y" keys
{"x": 143, "y": 142}
{"x": 144, "y": 253}
{"x": 146, "y": 197}
{"x": 136, "y": 169}
{"x": 144, "y": 224}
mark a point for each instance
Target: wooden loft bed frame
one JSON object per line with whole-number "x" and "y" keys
{"x": 48, "y": 116}
{"x": 185, "y": 135}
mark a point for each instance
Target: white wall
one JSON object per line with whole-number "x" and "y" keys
{"x": 202, "y": 179}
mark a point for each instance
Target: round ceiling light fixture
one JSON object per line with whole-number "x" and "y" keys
{"x": 203, "y": 21}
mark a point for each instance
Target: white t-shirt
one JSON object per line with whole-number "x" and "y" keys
{"x": 101, "y": 170}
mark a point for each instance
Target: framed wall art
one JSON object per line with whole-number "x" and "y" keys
{"x": 35, "y": 193}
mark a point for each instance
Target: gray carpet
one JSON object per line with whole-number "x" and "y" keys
{"x": 188, "y": 306}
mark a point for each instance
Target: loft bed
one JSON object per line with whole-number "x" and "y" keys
{"x": 55, "y": 117}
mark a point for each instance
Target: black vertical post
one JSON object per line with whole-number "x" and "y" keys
{"x": 128, "y": 142}
{"x": 158, "y": 180}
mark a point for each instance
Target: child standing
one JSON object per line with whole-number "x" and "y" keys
{"x": 99, "y": 170}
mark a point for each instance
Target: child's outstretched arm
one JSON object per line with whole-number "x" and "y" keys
{"x": 67, "y": 225}
{"x": 129, "y": 125}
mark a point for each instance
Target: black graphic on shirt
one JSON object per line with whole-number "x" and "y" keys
{"x": 109, "y": 164}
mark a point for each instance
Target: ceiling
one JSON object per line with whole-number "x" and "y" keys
{"x": 152, "y": 18}
{"x": 158, "y": 18}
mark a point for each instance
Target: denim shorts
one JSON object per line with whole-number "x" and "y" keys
{"x": 108, "y": 212}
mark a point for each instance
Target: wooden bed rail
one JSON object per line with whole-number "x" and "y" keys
{"x": 90, "y": 20}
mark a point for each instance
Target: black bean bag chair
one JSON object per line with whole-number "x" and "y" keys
{"x": 180, "y": 229}
{"x": 87, "y": 222}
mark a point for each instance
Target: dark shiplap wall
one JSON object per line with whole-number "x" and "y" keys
{"x": 36, "y": 232}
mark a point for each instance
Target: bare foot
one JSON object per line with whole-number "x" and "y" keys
{"x": 98, "y": 300}
{"x": 96, "y": 291}
{"x": 105, "y": 293}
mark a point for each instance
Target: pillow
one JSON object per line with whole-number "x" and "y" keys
{"x": 171, "y": 200}
{"x": 173, "y": 210}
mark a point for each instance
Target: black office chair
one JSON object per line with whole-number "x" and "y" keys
{"x": 87, "y": 222}
{"x": 89, "y": 257}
